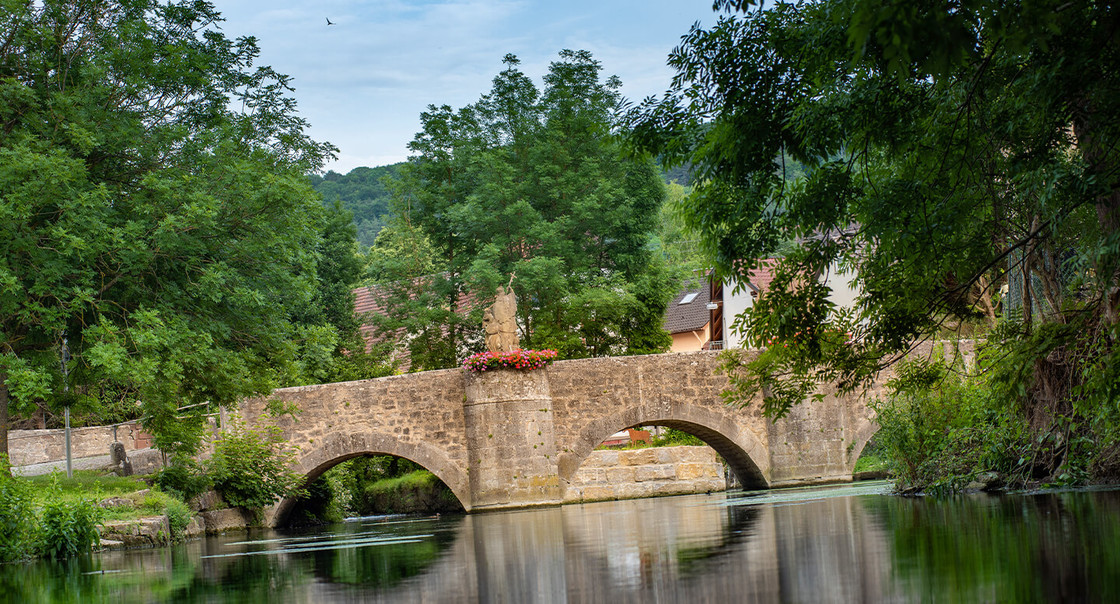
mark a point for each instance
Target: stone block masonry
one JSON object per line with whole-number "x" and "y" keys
{"x": 36, "y": 452}
{"x": 509, "y": 439}
{"x": 512, "y": 459}
{"x": 635, "y": 473}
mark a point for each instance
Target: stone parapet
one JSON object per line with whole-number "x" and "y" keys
{"x": 635, "y": 473}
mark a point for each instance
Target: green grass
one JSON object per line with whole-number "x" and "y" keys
{"x": 86, "y": 483}
{"x": 417, "y": 479}
{"x": 871, "y": 462}
{"x": 92, "y": 485}
{"x": 669, "y": 438}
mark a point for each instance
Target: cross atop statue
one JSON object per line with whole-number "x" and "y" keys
{"x": 500, "y": 321}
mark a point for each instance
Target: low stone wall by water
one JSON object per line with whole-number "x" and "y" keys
{"x": 651, "y": 472}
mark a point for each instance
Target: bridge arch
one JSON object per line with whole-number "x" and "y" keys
{"x": 866, "y": 427}
{"x": 337, "y": 448}
{"x": 741, "y": 448}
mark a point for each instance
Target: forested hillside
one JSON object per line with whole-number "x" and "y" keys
{"x": 361, "y": 192}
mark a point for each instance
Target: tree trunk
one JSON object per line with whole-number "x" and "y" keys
{"x": 1108, "y": 212}
{"x": 1028, "y": 254}
{"x": 985, "y": 301}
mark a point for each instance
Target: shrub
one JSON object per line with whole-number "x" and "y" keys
{"x": 17, "y": 516}
{"x": 69, "y": 528}
{"x": 184, "y": 477}
{"x": 250, "y": 467}
{"x": 939, "y": 429}
{"x": 178, "y": 516}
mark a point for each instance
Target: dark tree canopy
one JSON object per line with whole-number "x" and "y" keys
{"x": 947, "y": 152}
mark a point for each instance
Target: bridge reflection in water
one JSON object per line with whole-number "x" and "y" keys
{"x": 690, "y": 548}
{"x": 835, "y": 544}
{"x": 680, "y": 549}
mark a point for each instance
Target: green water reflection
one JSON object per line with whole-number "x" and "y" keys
{"x": 1052, "y": 547}
{"x": 841, "y": 544}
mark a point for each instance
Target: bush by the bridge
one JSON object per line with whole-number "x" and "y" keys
{"x": 69, "y": 527}
{"x": 250, "y": 467}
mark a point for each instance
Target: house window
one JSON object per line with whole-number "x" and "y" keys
{"x": 689, "y": 298}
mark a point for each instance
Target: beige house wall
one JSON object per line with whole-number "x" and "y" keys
{"x": 690, "y": 341}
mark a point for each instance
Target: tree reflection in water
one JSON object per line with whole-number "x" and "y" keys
{"x": 842, "y": 544}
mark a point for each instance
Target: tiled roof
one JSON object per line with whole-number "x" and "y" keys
{"x": 761, "y": 277}
{"x": 371, "y": 301}
{"x": 368, "y": 300}
{"x": 690, "y": 316}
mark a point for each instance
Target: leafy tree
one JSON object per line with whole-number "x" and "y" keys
{"x": 946, "y": 151}
{"x": 401, "y": 253}
{"x": 532, "y": 182}
{"x": 155, "y": 215}
{"x": 332, "y": 347}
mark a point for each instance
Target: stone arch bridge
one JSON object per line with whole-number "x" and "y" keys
{"x": 504, "y": 439}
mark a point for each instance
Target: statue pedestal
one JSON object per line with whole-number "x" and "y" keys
{"x": 512, "y": 460}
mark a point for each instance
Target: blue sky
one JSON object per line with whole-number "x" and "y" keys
{"x": 363, "y": 82}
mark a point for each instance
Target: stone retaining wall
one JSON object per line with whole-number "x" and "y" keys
{"x": 28, "y": 447}
{"x": 634, "y": 473}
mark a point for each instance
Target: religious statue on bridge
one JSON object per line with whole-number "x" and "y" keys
{"x": 500, "y": 321}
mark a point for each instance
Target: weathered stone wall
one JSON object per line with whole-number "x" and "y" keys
{"x": 593, "y": 398}
{"x": 511, "y": 439}
{"x": 27, "y": 447}
{"x": 417, "y": 416}
{"x": 815, "y": 442}
{"x": 509, "y": 426}
{"x": 655, "y": 471}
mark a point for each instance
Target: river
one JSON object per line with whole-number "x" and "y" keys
{"x": 851, "y": 543}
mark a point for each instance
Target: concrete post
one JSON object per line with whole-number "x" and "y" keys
{"x": 511, "y": 440}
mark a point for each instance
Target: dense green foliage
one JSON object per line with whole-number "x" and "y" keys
{"x": 940, "y": 429}
{"x": 529, "y": 182}
{"x": 946, "y": 153}
{"x": 363, "y": 193}
{"x": 671, "y": 437}
{"x": 251, "y": 467}
{"x": 68, "y": 528}
{"x": 17, "y": 516}
{"x": 156, "y": 217}
{"x": 185, "y": 477}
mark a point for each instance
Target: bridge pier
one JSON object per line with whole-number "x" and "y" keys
{"x": 511, "y": 439}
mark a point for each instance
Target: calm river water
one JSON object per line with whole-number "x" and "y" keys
{"x": 849, "y": 543}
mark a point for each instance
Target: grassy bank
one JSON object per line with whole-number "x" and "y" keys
{"x": 416, "y": 492}
{"x": 58, "y": 517}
